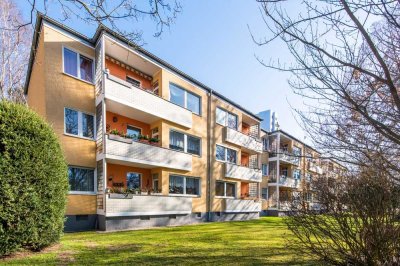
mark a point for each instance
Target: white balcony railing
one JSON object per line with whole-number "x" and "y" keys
{"x": 137, "y": 205}
{"x": 243, "y": 140}
{"x": 144, "y": 103}
{"x": 314, "y": 168}
{"x": 289, "y": 182}
{"x": 242, "y": 173}
{"x": 241, "y": 205}
{"x": 147, "y": 155}
{"x": 285, "y": 156}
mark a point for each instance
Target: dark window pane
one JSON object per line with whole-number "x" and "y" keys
{"x": 230, "y": 190}
{"x": 70, "y": 62}
{"x": 219, "y": 189}
{"x": 133, "y": 180}
{"x": 193, "y": 103}
{"x": 193, "y": 145}
{"x": 175, "y": 184}
{"x": 177, "y": 95}
{"x": 232, "y": 121}
{"x": 220, "y": 153}
{"x": 81, "y": 179}
{"x": 231, "y": 156}
{"x": 192, "y": 186}
{"x": 86, "y": 68}
{"x": 88, "y": 126}
{"x": 133, "y": 132}
{"x": 71, "y": 121}
{"x": 176, "y": 140}
{"x": 134, "y": 82}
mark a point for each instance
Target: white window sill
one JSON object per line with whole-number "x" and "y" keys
{"x": 82, "y": 193}
{"x": 79, "y": 137}
{"x": 223, "y": 197}
{"x": 69, "y": 75}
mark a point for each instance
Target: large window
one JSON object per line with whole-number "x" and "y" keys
{"x": 183, "y": 142}
{"x": 225, "y": 189}
{"x": 78, "y": 65}
{"x": 226, "y": 118}
{"x": 81, "y": 179}
{"x": 133, "y": 180}
{"x": 184, "y": 185}
{"x": 226, "y": 154}
{"x": 185, "y": 99}
{"x": 297, "y": 174}
{"x": 133, "y": 132}
{"x": 78, "y": 123}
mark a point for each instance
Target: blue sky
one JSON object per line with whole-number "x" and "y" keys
{"x": 210, "y": 41}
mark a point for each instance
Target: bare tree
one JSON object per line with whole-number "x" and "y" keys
{"x": 14, "y": 52}
{"x": 346, "y": 67}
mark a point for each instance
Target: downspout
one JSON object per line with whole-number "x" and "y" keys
{"x": 209, "y": 172}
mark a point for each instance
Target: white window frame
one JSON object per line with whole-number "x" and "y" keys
{"x": 226, "y": 117}
{"x": 262, "y": 169}
{"x": 140, "y": 82}
{"x": 185, "y": 142}
{"x": 155, "y": 177}
{"x": 94, "y": 192}
{"x": 77, "y": 65}
{"x": 226, "y": 154}
{"x": 185, "y": 92}
{"x": 184, "y": 186}
{"x": 225, "y": 196}
{"x": 80, "y": 130}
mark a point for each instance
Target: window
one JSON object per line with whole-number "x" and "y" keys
{"x": 183, "y": 142}
{"x": 133, "y": 132}
{"x": 81, "y": 179}
{"x": 78, "y": 65}
{"x": 265, "y": 144}
{"x": 296, "y": 174}
{"x": 155, "y": 182}
{"x": 226, "y": 118}
{"x": 133, "y": 180}
{"x": 297, "y": 154}
{"x": 184, "y": 98}
{"x": 78, "y": 123}
{"x": 184, "y": 185}
{"x": 264, "y": 169}
{"x": 134, "y": 82}
{"x": 225, "y": 189}
{"x": 285, "y": 172}
{"x": 225, "y": 154}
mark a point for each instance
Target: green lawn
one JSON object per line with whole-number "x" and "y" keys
{"x": 240, "y": 243}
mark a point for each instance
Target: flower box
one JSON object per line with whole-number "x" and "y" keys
{"x": 120, "y": 196}
{"x": 119, "y": 138}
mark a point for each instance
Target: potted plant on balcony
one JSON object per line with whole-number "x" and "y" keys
{"x": 154, "y": 141}
{"x": 114, "y": 134}
{"x": 120, "y": 193}
{"x": 143, "y": 138}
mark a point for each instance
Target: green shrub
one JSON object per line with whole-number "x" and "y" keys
{"x": 33, "y": 181}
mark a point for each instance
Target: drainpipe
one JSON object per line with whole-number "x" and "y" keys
{"x": 209, "y": 172}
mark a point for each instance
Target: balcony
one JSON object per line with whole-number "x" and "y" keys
{"x": 146, "y": 155}
{"x": 285, "y": 181}
{"x": 313, "y": 167}
{"x": 142, "y": 105}
{"x": 249, "y": 143}
{"x": 241, "y": 205}
{"x": 242, "y": 173}
{"x": 285, "y": 156}
{"x": 138, "y": 205}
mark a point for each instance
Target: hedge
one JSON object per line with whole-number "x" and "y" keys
{"x": 33, "y": 181}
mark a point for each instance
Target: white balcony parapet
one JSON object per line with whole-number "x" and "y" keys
{"x": 242, "y": 173}
{"x": 138, "y": 205}
{"x": 289, "y": 182}
{"x": 241, "y": 205}
{"x": 147, "y": 155}
{"x": 243, "y": 140}
{"x": 315, "y": 168}
{"x": 145, "y": 102}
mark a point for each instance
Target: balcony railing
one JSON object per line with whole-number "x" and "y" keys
{"x": 248, "y": 142}
{"x": 286, "y": 156}
{"x": 242, "y": 173}
{"x": 241, "y": 205}
{"x": 147, "y": 155}
{"x": 313, "y": 167}
{"x": 285, "y": 181}
{"x": 145, "y": 103}
{"x": 137, "y": 205}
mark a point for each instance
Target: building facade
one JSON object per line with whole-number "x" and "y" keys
{"x": 148, "y": 145}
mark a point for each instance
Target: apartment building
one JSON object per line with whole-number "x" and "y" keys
{"x": 128, "y": 120}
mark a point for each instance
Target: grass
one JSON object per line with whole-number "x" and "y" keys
{"x": 257, "y": 242}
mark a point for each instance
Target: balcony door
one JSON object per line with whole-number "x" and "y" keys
{"x": 133, "y": 180}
